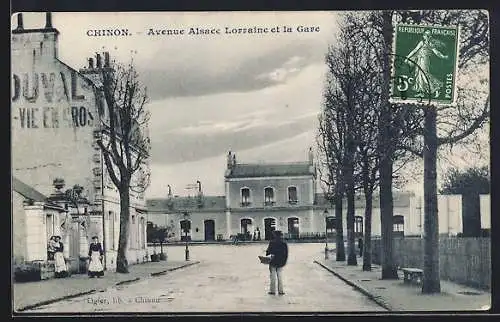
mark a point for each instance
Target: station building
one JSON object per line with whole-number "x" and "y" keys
{"x": 261, "y": 197}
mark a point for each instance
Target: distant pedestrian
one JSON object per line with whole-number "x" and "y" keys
{"x": 360, "y": 246}
{"x": 95, "y": 253}
{"x": 278, "y": 249}
{"x": 60, "y": 263}
{"x": 258, "y": 233}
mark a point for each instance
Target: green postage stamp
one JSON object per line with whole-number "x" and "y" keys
{"x": 424, "y": 64}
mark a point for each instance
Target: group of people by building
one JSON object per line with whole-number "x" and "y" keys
{"x": 55, "y": 252}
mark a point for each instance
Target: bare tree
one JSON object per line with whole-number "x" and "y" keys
{"x": 330, "y": 148}
{"x": 125, "y": 143}
{"x": 451, "y": 125}
{"x": 429, "y": 126}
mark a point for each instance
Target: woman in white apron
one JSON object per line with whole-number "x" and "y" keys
{"x": 60, "y": 263}
{"x": 95, "y": 254}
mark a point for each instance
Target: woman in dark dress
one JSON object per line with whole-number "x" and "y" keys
{"x": 95, "y": 253}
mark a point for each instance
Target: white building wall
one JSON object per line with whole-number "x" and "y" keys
{"x": 36, "y": 241}
{"x": 449, "y": 214}
{"x": 485, "y": 204}
{"x": 19, "y": 230}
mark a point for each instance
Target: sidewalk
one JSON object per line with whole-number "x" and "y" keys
{"x": 32, "y": 294}
{"x": 394, "y": 295}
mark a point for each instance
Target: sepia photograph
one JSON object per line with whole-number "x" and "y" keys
{"x": 250, "y": 162}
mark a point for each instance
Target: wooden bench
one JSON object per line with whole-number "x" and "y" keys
{"x": 415, "y": 275}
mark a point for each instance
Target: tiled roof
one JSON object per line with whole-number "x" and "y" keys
{"x": 27, "y": 191}
{"x": 186, "y": 203}
{"x": 240, "y": 170}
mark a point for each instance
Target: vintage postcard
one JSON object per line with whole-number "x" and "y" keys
{"x": 157, "y": 156}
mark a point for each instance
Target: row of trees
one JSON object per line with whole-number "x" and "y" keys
{"x": 365, "y": 141}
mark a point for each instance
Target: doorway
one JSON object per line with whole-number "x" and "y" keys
{"x": 293, "y": 227}
{"x": 209, "y": 230}
{"x": 269, "y": 226}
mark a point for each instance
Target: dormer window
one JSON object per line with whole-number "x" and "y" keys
{"x": 269, "y": 196}
{"x": 292, "y": 195}
{"x": 245, "y": 197}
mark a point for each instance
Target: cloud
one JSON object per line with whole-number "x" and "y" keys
{"x": 196, "y": 76}
{"x": 210, "y": 170}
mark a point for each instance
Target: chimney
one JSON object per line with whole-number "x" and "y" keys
{"x": 98, "y": 61}
{"x": 106, "y": 59}
{"x": 20, "y": 25}
{"x": 91, "y": 63}
{"x": 48, "y": 20}
{"x": 229, "y": 160}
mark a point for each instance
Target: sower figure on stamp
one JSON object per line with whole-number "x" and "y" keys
{"x": 425, "y": 81}
{"x": 95, "y": 254}
{"x": 278, "y": 249}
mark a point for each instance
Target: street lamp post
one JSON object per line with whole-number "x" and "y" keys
{"x": 326, "y": 233}
{"x": 186, "y": 217}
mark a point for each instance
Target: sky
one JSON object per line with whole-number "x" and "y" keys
{"x": 257, "y": 95}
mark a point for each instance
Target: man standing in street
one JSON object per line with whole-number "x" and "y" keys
{"x": 278, "y": 249}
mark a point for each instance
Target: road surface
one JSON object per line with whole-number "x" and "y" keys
{"x": 229, "y": 278}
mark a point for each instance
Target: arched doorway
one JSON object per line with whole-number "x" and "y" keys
{"x": 185, "y": 230}
{"x": 269, "y": 226}
{"x": 331, "y": 226}
{"x": 293, "y": 227}
{"x": 209, "y": 230}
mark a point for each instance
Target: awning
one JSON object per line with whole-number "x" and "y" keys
{"x": 142, "y": 210}
{"x": 54, "y": 207}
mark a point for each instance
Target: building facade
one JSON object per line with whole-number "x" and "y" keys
{"x": 57, "y": 116}
{"x": 35, "y": 220}
{"x": 261, "y": 197}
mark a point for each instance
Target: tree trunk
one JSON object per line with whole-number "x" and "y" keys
{"x": 431, "y": 283}
{"x": 340, "y": 249}
{"x": 351, "y": 241}
{"x": 367, "y": 247}
{"x": 121, "y": 258}
{"x": 389, "y": 270}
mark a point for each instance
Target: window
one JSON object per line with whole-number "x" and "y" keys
{"x": 246, "y": 224}
{"x": 50, "y": 225}
{"x": 293, "y": 227}
{"x": 245, "y": 197}
{"x": 142, "y": 227}
{"x": 398, "y": 225}
{"x": 331, "y": 223}
{"x": 185, "y": 230}
{"x": 358, "y": 225}
{"x": 268, "y": 196}
{"x": 133, "y": 234}
{"x": 111, "y": 217}
{"x": 292, "y": 195}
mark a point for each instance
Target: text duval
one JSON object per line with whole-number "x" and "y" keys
{"x": 52, "y": 92}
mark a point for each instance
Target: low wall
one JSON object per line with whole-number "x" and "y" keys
{"x": 462, "y": 260}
